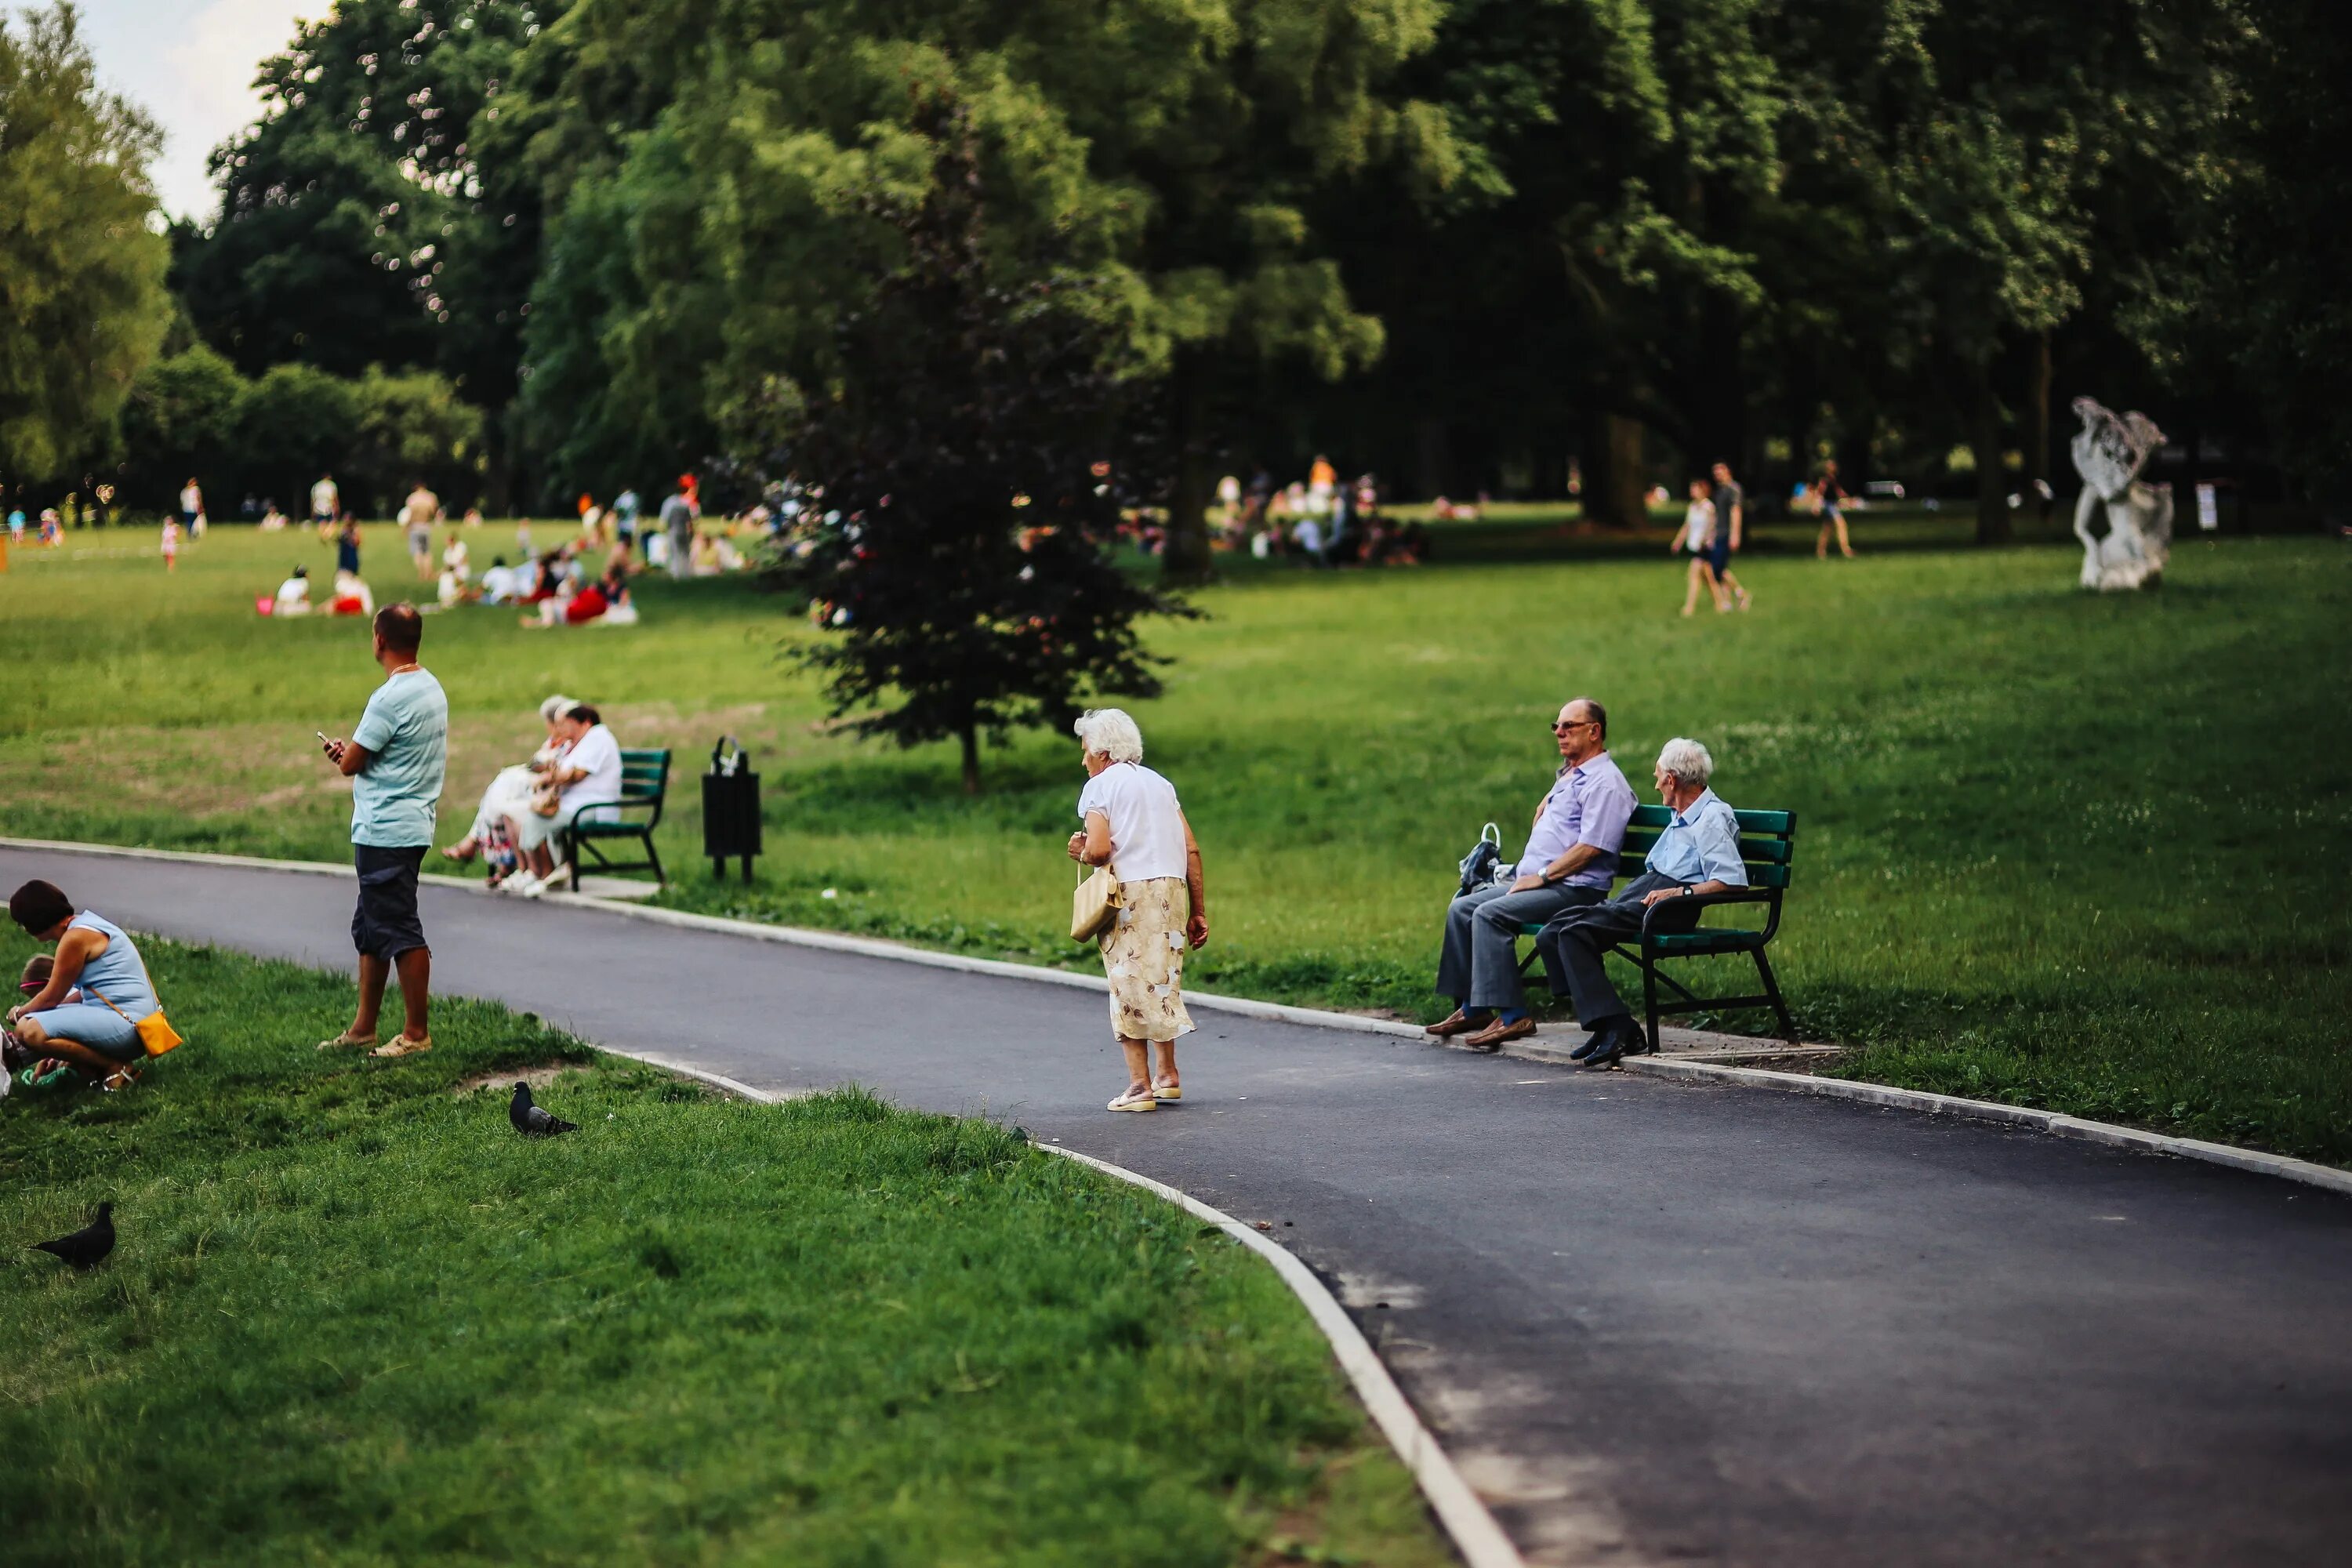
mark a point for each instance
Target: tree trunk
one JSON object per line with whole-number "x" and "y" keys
{"x": 1613, "y": 472}
{"x": 971, "y": 739}
{"x": 2037, "y": 439}
{"x": 1984, "y": 440}
{"x": 1185, "y": 560}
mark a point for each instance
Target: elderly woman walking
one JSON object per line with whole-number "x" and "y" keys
{"x": 1134, "y": 826}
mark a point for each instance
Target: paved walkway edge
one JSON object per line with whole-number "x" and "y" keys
{"x": 1473, "y": 1530}
{"x": 2281, "y": 1166}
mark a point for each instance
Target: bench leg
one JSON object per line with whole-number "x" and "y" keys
{"x": 1650, "y": 997}
{"x": 1772, "y": 989}
{"x": 653, "y": 859}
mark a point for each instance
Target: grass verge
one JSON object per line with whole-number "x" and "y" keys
{"x": 353, "y": 1318}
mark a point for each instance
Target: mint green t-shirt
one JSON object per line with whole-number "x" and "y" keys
{"x": 406, "y": 727}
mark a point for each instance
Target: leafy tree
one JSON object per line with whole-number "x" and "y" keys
{"x": 353, "y": 229}
{"x": 83, "y": 305}
{"x": 1168, "y": 153}
{"x": 957, "y": 557}
{"x": 182, "y": 421}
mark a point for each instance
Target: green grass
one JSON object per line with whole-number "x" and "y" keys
{"x": 2065, "y": 850}
{"x": 355, "y": 1318}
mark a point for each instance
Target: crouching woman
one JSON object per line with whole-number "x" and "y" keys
{"x": 97, "y": 1034}
{"x": 1134, "y": 826}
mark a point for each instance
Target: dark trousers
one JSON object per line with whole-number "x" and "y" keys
{"x": 1479, "y": 964}
{"x": 1573, "y": 946}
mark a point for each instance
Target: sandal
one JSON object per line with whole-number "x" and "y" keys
{"x": 1166, "y": 1093}
{"x": 347, "y": 1041}
{"x": 120, "y": 1078}
{"x": 1135, "y": 1099}
{"x": 402, "y": 1045}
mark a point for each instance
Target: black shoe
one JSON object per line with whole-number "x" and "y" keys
{"x": 1585, "y": 1049}
{"x": 1608, "y": 1047}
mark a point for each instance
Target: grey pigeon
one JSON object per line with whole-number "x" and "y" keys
{"x": 533, "y": 1120}
{"x": 87, "y": 1247}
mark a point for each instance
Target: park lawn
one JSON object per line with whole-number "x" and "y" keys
{"x": 2055, "y": 848}
{"x": 353, "y": 1318}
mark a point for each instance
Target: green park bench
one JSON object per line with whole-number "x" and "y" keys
{"x": 645, "y": 783}
{"x": 1768, "y": 845}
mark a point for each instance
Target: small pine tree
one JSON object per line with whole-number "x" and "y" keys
{"x": 962, "y": 497}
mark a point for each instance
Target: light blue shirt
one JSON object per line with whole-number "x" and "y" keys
{"x": 1590, "y": 803}
{"x": 1700, "y": 845}
{"x": 406, "y": 730}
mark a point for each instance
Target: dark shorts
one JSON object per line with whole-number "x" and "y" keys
{"x": 1718, "y": 553}
{"x": 385, "y": 923}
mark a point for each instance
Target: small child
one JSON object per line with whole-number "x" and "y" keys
{"x": 171, "y": 544}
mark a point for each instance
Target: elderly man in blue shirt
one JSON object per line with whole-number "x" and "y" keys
{"x": 1570, "y": 861}
{"x": 1698, "y": 852}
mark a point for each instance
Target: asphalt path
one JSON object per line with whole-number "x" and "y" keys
{"x": 1651, "y": 1322}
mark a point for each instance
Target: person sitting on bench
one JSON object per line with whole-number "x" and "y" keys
{"x": 1697, "y": 852}
{"x": 1571, "y": 859}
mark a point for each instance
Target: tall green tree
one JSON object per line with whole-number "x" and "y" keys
{"x": 354, "y": 228}
{"x": 956, "y": 556}
{"x": 83, "y": 304}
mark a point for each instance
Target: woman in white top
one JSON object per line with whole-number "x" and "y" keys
{"x": 509, "y": 793}
{"x": 1134, "y": 826}
{"x": 587, "y": 775}
{"x": 1696, "y": 534}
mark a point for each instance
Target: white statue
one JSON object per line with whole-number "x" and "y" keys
{"x": 2137, "y": 540}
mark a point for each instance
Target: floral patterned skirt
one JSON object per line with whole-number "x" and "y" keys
{"x": 1143, "y": 958}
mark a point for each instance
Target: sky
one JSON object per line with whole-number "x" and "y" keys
{"x": 190, "y": 65}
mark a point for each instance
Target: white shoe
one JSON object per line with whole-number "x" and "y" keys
{"x": 1143, "y": 1100}
{"x": 536, "y": 886}
{"x": 521, "y": 883}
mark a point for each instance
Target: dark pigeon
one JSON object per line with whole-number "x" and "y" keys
{"x": 86, "y": 1247}
{"x": 533, "y": 1120}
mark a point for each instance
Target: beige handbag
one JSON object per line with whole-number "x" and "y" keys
{"x": 1094, "y": 905}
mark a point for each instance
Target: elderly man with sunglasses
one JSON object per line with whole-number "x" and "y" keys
{"x": 1570, "y": 861}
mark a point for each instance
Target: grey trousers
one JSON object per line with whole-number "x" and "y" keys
{"x": 1479, "y": 964}
{"x": 1574, "y": 944}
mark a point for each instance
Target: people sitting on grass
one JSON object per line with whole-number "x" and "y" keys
{"x": 509, "y": 795}
{"x": 588, "y": 775}
{"x": 502, "y": 584}
{"x": 1696, "y": 853}
{"x": 293, "y": 596}
{"x": 351, "y": 597}
{"x": 86, "y": 1013}
{"x": 1569, "y": 860}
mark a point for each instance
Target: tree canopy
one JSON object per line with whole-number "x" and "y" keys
{"x": 83, "y": 304}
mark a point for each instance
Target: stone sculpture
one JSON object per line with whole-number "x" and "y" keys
{"x": 2125, "y": 524}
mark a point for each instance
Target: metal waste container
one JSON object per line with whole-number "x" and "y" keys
{"x": 730, "y": 808}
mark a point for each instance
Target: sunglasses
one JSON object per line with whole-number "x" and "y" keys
{"x": 1560, "y": 729}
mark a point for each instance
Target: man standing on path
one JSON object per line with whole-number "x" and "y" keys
{"x": 1571, "y": 859}
{"x": 1697, "y": 852}
{"x": 678, "y": 521}
{"x": 394, "y": 761}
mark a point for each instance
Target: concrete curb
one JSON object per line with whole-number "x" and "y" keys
{"x": 2055, "y": 1123}
{"x": 1473, "y": 1531}
{"x": 1465, "y": 1518}
{"x": 2282, "y": 1167}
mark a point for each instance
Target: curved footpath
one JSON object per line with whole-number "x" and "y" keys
{"x": 1651, "y": 1320}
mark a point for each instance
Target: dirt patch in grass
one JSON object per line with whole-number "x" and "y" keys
{"x": 505, "y": 1078}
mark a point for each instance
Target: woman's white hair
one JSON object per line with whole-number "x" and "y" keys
{"x": 1687, "y": 761}
{"x": 1110, "y": 732}
{"x": 553, "y": 706}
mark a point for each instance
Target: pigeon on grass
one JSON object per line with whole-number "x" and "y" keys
{"x": 87, "y": 1247}
{"x": 533, "y": 1120}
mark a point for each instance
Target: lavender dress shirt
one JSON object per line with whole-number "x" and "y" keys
{"x": 1589, "y": 803}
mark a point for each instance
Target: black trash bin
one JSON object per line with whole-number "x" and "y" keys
{"x": 730, "y": 808}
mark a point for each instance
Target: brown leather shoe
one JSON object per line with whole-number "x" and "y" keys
{"x": 1492, "y": 1038}
{"x": 1461, "y": 1023}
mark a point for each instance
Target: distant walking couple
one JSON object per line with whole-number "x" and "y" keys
{"x": 1711, "y": 531}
